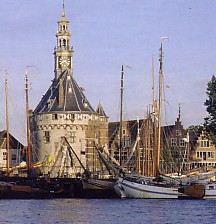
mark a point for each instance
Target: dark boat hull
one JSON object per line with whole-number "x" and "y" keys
{"x": 41, "y": 188}
{"x": 98, "y": 188}
{"x": 46, "y": 188}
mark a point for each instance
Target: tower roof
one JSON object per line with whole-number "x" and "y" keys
{"x": 64, "y": 95}
{"x": 63, "y": 10}
{"x": 100, "y": 111}
{"x": 63, "y": 18}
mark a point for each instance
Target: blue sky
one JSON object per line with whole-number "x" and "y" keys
{"x": 106, "y": 34}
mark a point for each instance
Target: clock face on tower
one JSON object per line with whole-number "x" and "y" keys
{"x": 64, "y": 61}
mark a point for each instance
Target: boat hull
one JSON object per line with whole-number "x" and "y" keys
{"x": 13, "y": 191}
{"x": 200, "y": 191}
{"x": 210, "y": 191}
{"x": 98, "y": 188}
{"x": 129, "y": 189}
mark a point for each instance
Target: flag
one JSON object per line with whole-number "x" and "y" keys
{"x": 164, "y": 38}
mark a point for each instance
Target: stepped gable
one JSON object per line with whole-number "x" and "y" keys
{"x": 64, "y": 95}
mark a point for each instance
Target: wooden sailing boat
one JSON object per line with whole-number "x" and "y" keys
{"x": 199, "y": 190}
{"x": 137, "y": 186}
{"x": 93, "y": 186}
{"x": 15, "y": 190}
{"x": 12, "y": 187}
{"x": 7, "y": 124}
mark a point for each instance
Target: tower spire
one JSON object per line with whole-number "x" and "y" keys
{"x": 63, "y": 10}
{"x": 179, "y": 115}
{"x": 63, "y": 52}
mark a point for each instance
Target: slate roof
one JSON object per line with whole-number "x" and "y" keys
{"x": 73, "y": 98}
{"x": 100, "y": 111}
{"x": 132, "y": 126}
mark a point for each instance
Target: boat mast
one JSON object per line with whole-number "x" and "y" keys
{"x": 155, "y": 114}
{"x": 153, "y": 93}
{"x": 28, "y": 125}
{"x": 146, "y": 141}
{"x": 178, "y": 142}
{"x": 138, "y": 147}
{"x": 121, "y": 112}
{"x": 188, "y": 150}
{"x": 7, "y": 123}
{"x": 159, "y": 110}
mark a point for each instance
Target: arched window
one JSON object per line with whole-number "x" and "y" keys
{"x": 64, "y": 42}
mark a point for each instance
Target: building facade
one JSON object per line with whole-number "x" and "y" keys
{"x": 204, "y": 152}
{"x": 16, "y": 150}
{"x": 174, "y": 146}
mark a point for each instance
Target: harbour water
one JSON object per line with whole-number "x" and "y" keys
{"x": 107, "y": 211}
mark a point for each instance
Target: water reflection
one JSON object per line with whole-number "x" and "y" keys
{"x": 106, "y": 211}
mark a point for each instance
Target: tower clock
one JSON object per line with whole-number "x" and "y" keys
{"x": 64, "y": 62}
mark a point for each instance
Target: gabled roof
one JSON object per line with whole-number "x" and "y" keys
{"x": 131, "y": 125}
{"x": 14, "y": 143}
{"x": 64, "y": 95}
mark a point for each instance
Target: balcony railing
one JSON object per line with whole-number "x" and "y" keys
{"x": 62, "y": 48}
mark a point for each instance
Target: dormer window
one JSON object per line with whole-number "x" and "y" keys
{"x": 85, "y": 103}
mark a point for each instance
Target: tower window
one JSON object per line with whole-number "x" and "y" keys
{"x": 46, "y": 136}
{"x": 72, "y": 136}
{"x": 55, "y": 116}
{"x": 64, "y": 43}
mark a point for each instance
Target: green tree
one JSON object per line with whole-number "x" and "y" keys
{"x": 210, "y": 103}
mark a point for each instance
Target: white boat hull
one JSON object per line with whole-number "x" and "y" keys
{"x": 129, "y": 189}
{"x": 210, "y": 191}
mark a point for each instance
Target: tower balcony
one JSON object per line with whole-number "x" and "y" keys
{"x": 63, "y": 48}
